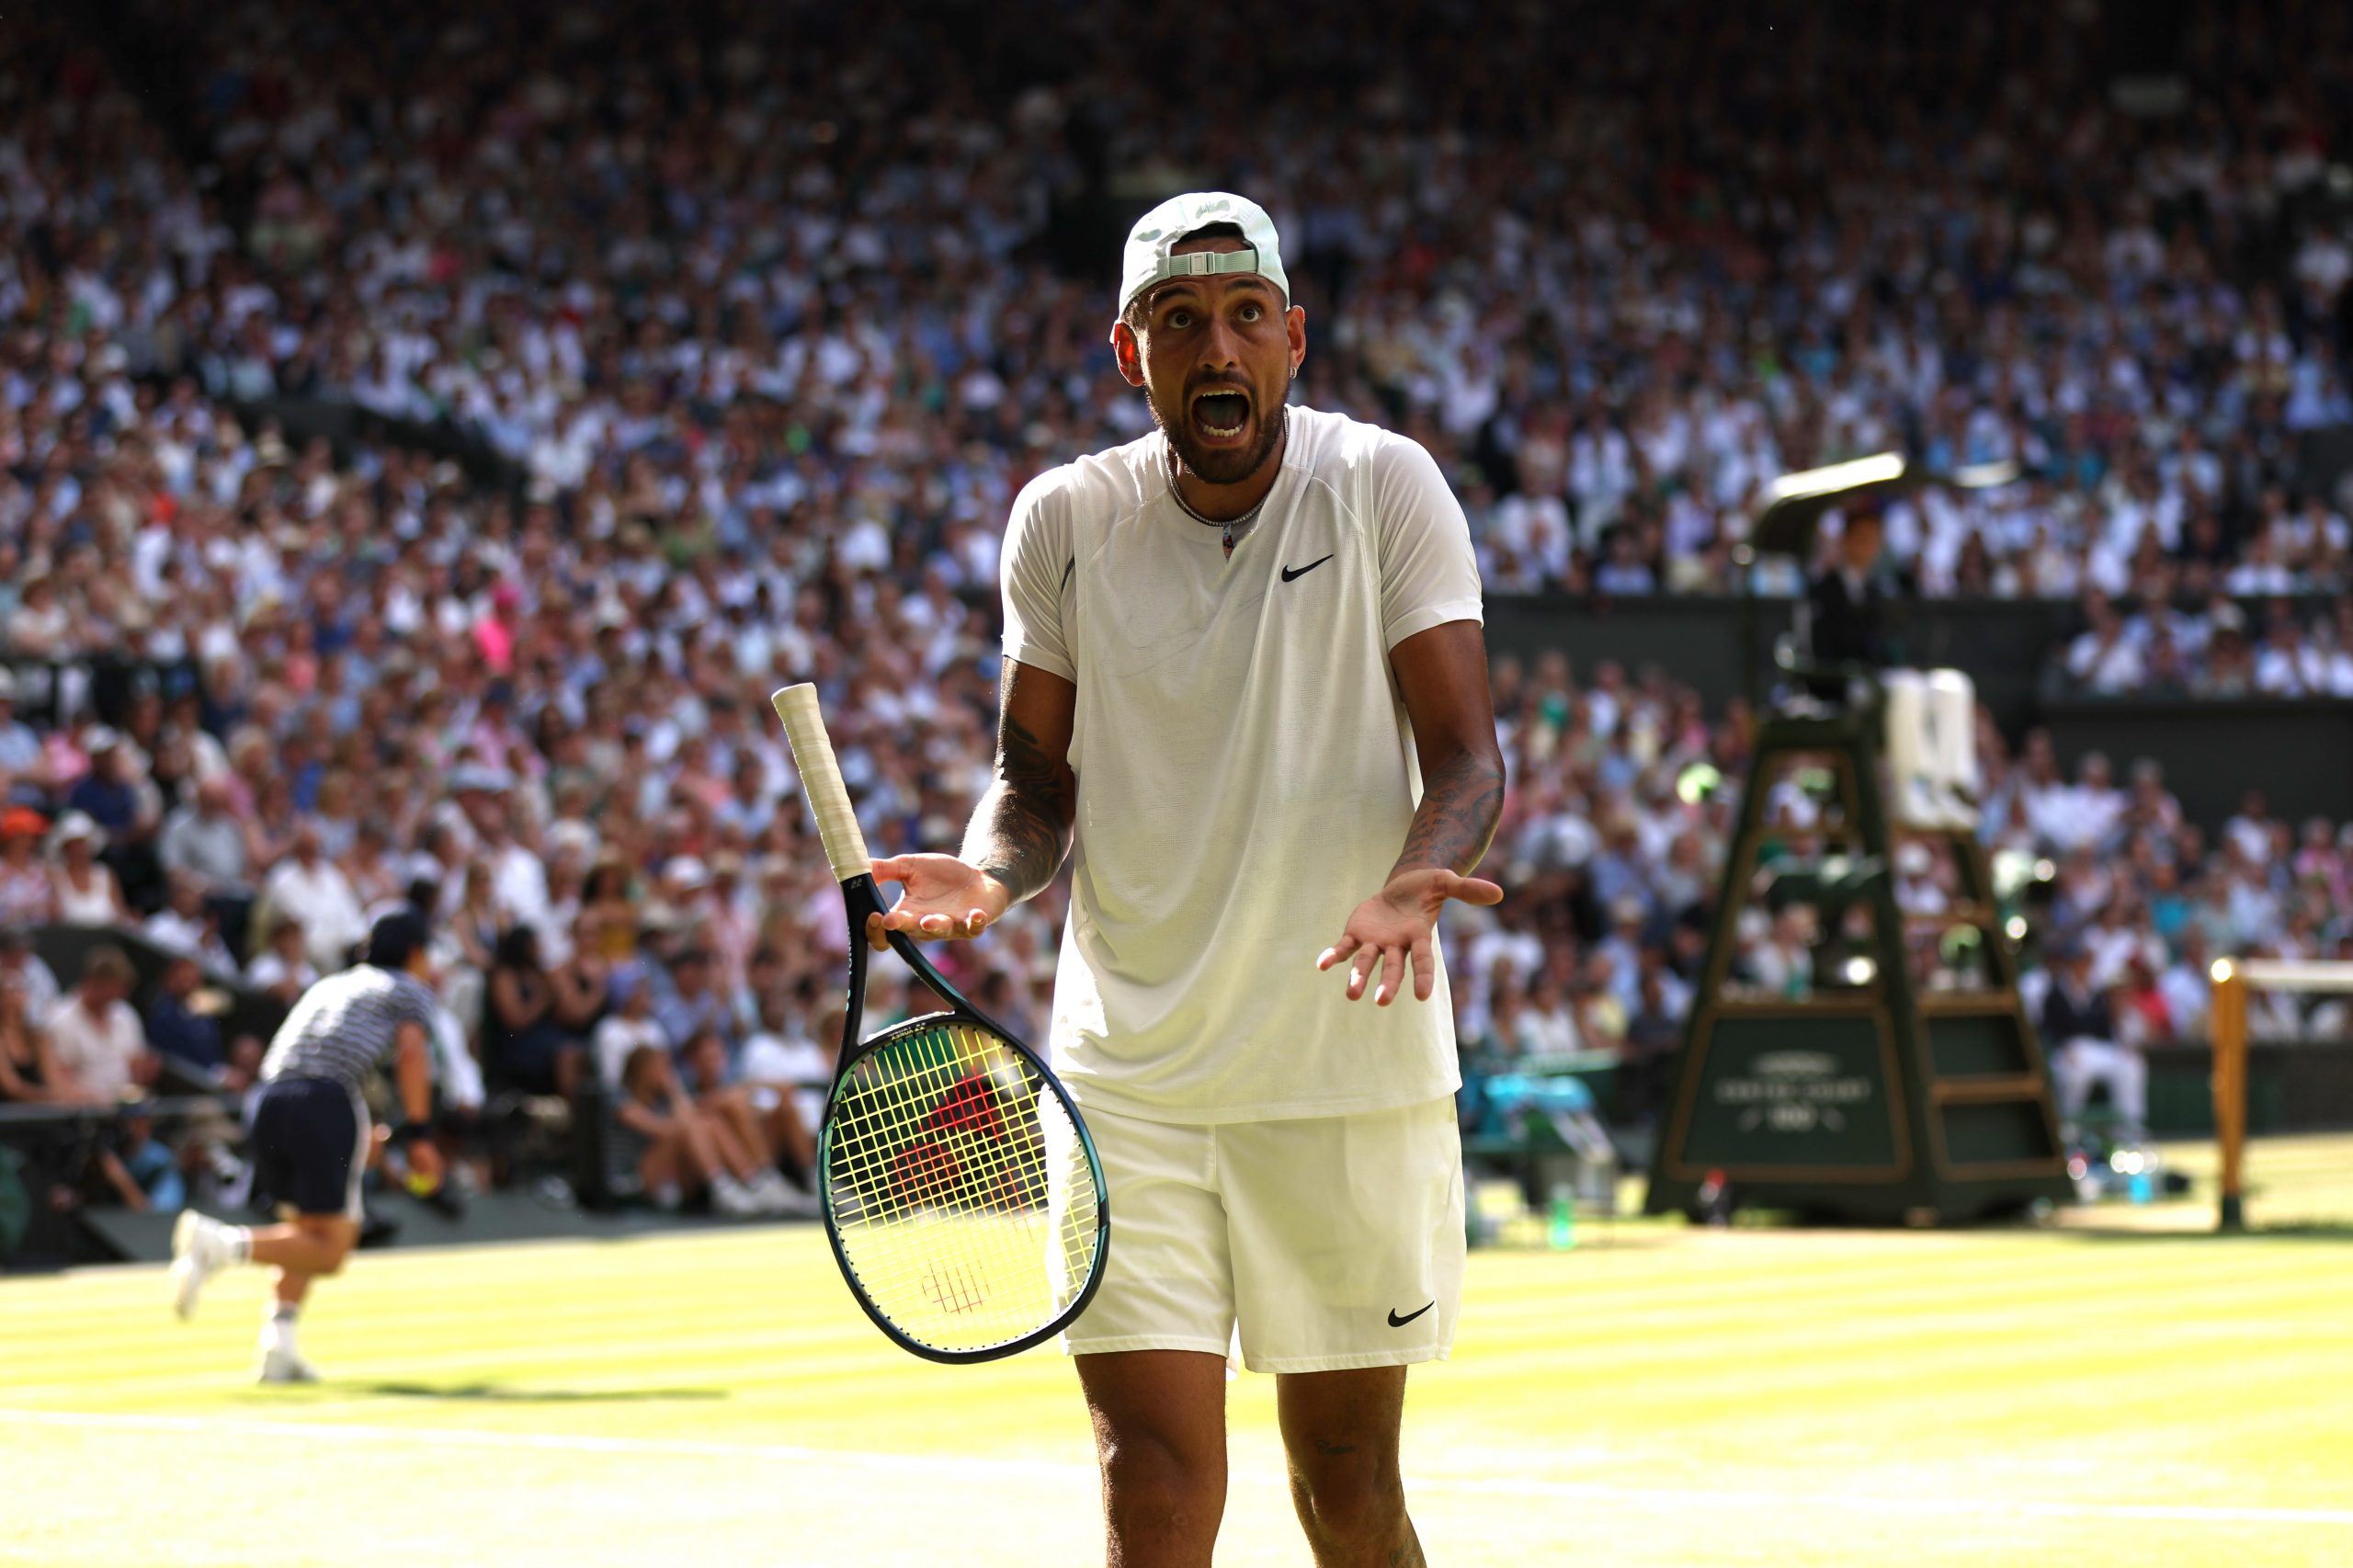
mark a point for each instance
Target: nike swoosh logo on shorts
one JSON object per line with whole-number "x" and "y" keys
{"x": 1291, "y": 571}
{"x": 1395, "y": 1320}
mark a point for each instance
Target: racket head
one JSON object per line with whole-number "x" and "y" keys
{"x": 962, "y": 1195}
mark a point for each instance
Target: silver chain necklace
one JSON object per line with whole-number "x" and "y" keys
{"x": 1231, "y": 529}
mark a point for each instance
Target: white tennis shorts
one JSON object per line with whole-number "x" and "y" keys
{"x": 1334, "y": 1242}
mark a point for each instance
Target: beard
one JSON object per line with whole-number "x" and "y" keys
{"x": 1220, "y": 465}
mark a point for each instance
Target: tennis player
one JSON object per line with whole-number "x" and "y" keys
{"x": 1246, "y": 685}
{"x": 310, "y": 1132}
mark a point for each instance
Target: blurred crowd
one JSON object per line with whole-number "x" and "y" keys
{"x": 1624, "y": 796}
{"x": 2156, "y": 648}
{"x": 770, "y": 328}
{"x": 740, "y": 273}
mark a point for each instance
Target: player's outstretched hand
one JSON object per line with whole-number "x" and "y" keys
{"x": 1395, "y": 924}
{"x": 945, "y": 897}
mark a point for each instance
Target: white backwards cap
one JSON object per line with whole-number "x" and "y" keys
{"x": 1146, "y": 260}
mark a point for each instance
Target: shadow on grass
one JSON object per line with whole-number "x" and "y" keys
{"x": 499, "y": 1393}
{"x": 2338, "y": 1231}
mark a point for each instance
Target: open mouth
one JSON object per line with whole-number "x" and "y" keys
{"x": 1221, "y": 414}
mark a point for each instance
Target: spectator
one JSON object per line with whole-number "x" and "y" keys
{"x": 367, "y": 865}
{"x": 2288, "y": 665}
{"x": 27, "y": 896}
{"x": 583, "y": 983}
{"x": 2086, "y": 816}
{"x": 705, "y": 1075}
{"x": 101, "y": 1048}
{"x": 2186, "y": 985}
{"x": 518, "y": 879}
{"x": 189, "y": 923}
{"x": 629, "y": 1026}
{"x": 2141, "y": 1013}
{"x": 529, "y": 1044}
{"x": 2103, "y": 658}
{"x": 204, "y": 839}
{"x": 19, "y": 962}
{"x": 1600, "y": 1014}
{"x": 606, "y": 894}
{"x": 143, "y": 1173}
{"x": 83, "y": 888}
{"x": 23, "y": 763}
{"x": 1509, "y": 1035}
{"x": 179, "y": 1025}
{"x": 1550, "y": 1027}
{"x": 789, "y": 1074}
{"x": 474, "y": 922}
{"x": 312, "y": 891}
{"x": 677, "y": 1150}
{"x": 1654, "y": 1040}
{"x": 282, "y": 971}
{"x": 2079, "y": 1027}
{"x": 30, "y": 1071}
{"x": 118, "y": 794}
{"x": 692, "y": 1003}
{"x": 2229, "y": 669}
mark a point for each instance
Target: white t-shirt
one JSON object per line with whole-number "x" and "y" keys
{"x": 270, "y": 970}
{"x": 323, "y": 899}
{"x": 1245, "y": 771}
{"x": 617, "y": 1036}
{"x": 97, "y": 1048}
{"x": 788, "y": 1064}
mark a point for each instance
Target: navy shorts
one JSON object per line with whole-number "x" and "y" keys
{"x": 310, "y": 1143}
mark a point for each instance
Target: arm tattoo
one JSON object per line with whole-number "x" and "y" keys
{"x": 1460, "y": 803}
{"x": 1022, "y": 826}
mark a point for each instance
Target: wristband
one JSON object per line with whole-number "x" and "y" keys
{"x": 409, "y": 1132}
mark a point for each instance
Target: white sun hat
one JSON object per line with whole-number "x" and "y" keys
{"x": 76, "y": 825}
{"x": 1147, "y": 261}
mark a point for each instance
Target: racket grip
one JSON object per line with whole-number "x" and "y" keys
{"x": 821, "y": 781}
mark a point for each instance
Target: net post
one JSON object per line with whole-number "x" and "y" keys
{"x": 2227, "y": 1025}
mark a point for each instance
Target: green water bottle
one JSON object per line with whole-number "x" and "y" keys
{"x": 1563, "y": 1231}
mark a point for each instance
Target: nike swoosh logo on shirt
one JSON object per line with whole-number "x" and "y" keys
{"x": 1291, "y": 571}
{"x": 1395, "y": 1320}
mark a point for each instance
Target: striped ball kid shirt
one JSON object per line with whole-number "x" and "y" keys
{"x": 345, "y": 1025}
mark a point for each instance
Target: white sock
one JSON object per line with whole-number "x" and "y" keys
{"x": 241, "y": 1243}
{"x": 277, "y": 1333}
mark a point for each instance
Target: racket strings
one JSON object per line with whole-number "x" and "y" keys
{"x": 960, "y": 1190}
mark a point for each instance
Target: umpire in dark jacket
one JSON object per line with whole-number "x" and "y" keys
{"x": 1848, "y": 602}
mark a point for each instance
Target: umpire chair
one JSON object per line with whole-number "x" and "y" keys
{"x": 1889, "y": 1075}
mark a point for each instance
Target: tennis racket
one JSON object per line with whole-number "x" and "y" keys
{"x": 962, "y": 1191}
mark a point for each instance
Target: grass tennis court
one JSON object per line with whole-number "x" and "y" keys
{"x": 1657, "y": 1397}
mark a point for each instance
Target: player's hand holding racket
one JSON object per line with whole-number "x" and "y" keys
{"x": 945, "y": 897}
{"x": 962, "y": 1191}
{"x": 1393, "y": 926}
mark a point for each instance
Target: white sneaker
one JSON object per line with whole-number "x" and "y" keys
{"x": 780, "y": 1197}
{"x": 732, "y": 1198}
{"x": 200, "y": 1247}
{"x": 280, "y": 1365}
